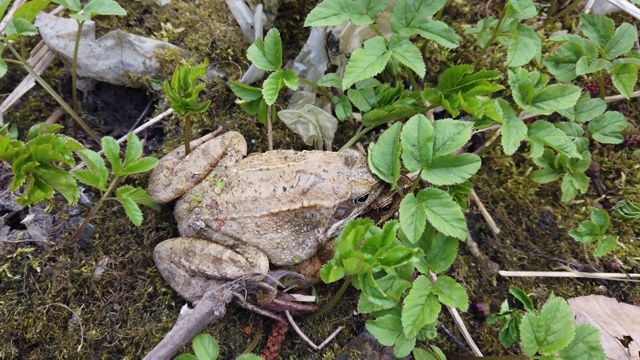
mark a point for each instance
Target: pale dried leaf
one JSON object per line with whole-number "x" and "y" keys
{"x": 618, "y": 323}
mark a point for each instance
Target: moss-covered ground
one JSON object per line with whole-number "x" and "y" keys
{"x": 54, "y": 305}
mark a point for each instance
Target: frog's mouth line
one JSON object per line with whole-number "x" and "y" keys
{"x": 336, "y": 228}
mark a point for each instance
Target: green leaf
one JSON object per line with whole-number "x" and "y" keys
{"x": 143, "y": 165}
{"x": 205, "y": 347}
{"x": 130, "y": 197}
{"x": 332, "y": 272}
{"x": 245, "y": 92}
{"x": 29, "y": 10}
{"x": 3, "y": 65}
{"x": 363, "y": 99}
{"x": 366, "y": 62}
{"x": 585, "y": 109}
{"x": 451, "y": 169}
{"x": 248, "y": 357}
{"x": 407, "y": 53}
{"x": 552, "y": 98}
{"x": 112, "y": 152}
{"x": 403, "y": 346}
{"x": 585, "y": 345}
{"x": 96, "y": 174}
{"x": 267, "y": 54}
{"x": 384, "y": 155}
{"x": 332, "y": 12}
{"x": 342, "y": 107}
{"x": 19, "y": 27}
{"x": 524, "y": 46}
{"x": 440, "y": 252}
{"x": 606, "y": 127}
{"x": 330, "y": 80}
{"x": 562, "y": 62}
{"x": 450, "y": 135}
{"x": 523, "y": 298}
{"x": 275, "y": 82}
{"x": 514, "y": 130}
{"x": 621, "y": 42}
{"x": 73, "y": 5}
{"x": 420, "y": 307}
{"x": 625, "y": 77}
{"x": 186, "y": 357}
{"x": 543, "y": 133}
{"x": 600, "y": 218}
{"x": 385, "y": 329}
{"x": 417, "y": 143}
{"x": 606, "y": 244}
{"x": 525, "y": 9}
{"x": 452, "y": 78}
{"x": 4, "y": 4}
{"x": 550, "y": 331}
{"x": 412, "y": 17}
{"x": 597, "y": 28}
{"x": 451, "y": 293}
{"x": 443, "y": 213}
{"x": 572, "y": 185}
{"x": 412, "y": 215}
{"x": 134, "y": 149}
{"x": 585, "y": 66}
{"x": 103, "y": 7}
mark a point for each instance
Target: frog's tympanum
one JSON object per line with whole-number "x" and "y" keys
{"x": 241, "y": 217}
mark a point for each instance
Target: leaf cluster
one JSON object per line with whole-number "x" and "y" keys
{"x": 594, "y": 230}
{"x": 605, "y": 49}
{"x": 627, "y": 210}
{"x": 184, "y": 89}
{"x": 206, "y": 347}
{"x": 383, "y": 264}
{"x": 549, "y": 331}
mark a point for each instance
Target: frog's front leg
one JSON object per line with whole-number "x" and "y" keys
{"x": 177, "y": 173}
{"x": 194, "y": 266}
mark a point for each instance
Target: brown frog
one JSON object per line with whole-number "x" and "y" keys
{"x": 240, "y": 217}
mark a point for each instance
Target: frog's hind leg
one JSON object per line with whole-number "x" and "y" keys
{"x": 177, "y": 173}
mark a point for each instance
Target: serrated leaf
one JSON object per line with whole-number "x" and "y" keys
{"x": 329, "y": 13}
{"x": 330, "y": 80}
{"x": 621, "y": 42}
{"x": 585, "y": 109}
{"x": 267, "y": 54}
{"x": 523, "y": 298}
{"x": 451, "y": 293}
{"x": 606, "y": 128}
{"x": 19, "y": 27}
{"x": 332, "y": 272}
{"x": 412, "y": 215}
{"x": 562, "y": 62}
{"x": 205, "y": 346}
{"x": 412, "y": 17}
{"x": 443, "y": 213}
{"x": 130, "y": 197}
{"x": 245, "y": 92}
{"x": 139, "y": 166}
{"x": 450, "y": 135}
{"x": 385, "y": 329}
{"x": 625, "y": 77}
{"x": 453, "y": 77}
{"x": 451, "y": 169}
{"x": 550, "y": 331}
{"x": 363, "y": 99}
{"x": 384, "y": 155}
{"x": 586, "y": 66}
{"x": 420, "y": 307}
{"x": 524, "y": 46}
{"x": 417, "y": 143}
{"x": 103, "y": 7}
{"x": 97, "y": 174}
{"x": 552, "y": 98}
{"x": 514, "y": 130}
{"x": 408, "y": 54}
{"x": 275, "y": 82}
{"x": 366, "y": 62}
{"x": 572, "y": 185}
{"x": 73, "y": 5}
{"x": 133, "y": 150}
{"x": 525, "y": 9}
{"x": 543, "y": 133}
{"x": 440, "y": 252}
{"x": 403, "y": 346}
{"x": 597, "y": 28}
{"x": 606, "y": 244}
{"x": 585, "y": 345}
{"x": 112, "y": 152}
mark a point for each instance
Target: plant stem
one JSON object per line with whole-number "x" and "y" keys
{"x": 21, "y": 61}
{"x": 317, "y": 88}
{"x": 601, "y": 86}
{"x": 357, "y": 137}
{"x": 74, "y": 71}
{"x": 187, "y": 134}
{"x": 93, "y": 211}
{"x": 269, "y": 130}
{"x": 493, "y": 36}
{"x": 412, "y": 79}
{"x": 326, "y": 307}
{"x": 558, "y": 15}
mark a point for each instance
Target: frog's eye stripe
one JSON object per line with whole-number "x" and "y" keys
{"x": 361, "y": 199}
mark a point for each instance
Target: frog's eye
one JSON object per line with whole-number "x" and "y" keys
{"x": 385, "y": 208}
{"x": 361, "y": 199}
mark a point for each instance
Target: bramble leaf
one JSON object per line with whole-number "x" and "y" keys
{"x": 440, "y": 252}
{"x": 443, "y": 213}
{"x": 524, "y": 46}
{"x": 275, "y": 82}
{"x": 451, "y": 169}
{"x": 366, "y": 62}
{"x": 585, "y": 345}
{"x": 385, "y": 329}
{"x": 420, "y": 307}
{"x": 451, "y": 293}
{"x": 384, "y": 155}
{"x": 412, "y": 215}
{"x": 514, "y": 130}
{"x": 550, "y": 331}
{"x": 606, "y": 128}
{"x": 450, "y": 135}
{"x": 407, "y": 53}
{"x": 267, "y": 54}
{"x": 417, "y": 143}
{"x": 625, "y": 77}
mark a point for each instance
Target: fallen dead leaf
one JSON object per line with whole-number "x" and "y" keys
{"x": 618, "y": 323}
